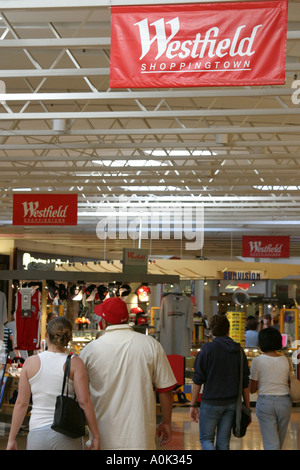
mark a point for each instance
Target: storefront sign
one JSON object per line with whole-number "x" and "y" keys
{"x": 135, "y": 260}
{"x": 26, "y": 302}
{"x": 257, "y": 287}
{"x": 266, "y": 247}
{"x": 243, "y": 286}
{"x": 45, "y": 209}
{"x": 216, "y": 44}
{"x": 241, "y": 275}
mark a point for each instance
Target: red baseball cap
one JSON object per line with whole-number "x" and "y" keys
{"x": 113, "y": 310}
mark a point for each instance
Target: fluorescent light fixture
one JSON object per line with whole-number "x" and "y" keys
{"x": 21, "y": 189}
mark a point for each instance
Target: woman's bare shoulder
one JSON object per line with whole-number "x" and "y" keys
{"x": 77, "y": 366}
{"x": 31, "y": 360}
{"x": 32, "y": 365}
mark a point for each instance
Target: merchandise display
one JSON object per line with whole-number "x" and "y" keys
{"x": 176, "y": 324}
{"x": 237, "y": 326}
{"x": 289, "y": 324}
{"x": 28, "y": 318}
{"x": 3, "y": 313}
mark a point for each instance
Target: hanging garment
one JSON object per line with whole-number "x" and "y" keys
{"x": 3, "y": 313}
{"x": 28, "y": 319}
{"x": 176, "y": 324}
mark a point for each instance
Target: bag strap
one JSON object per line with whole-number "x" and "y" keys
{"x": 67, "y": 374}
{"x": 241, "y": 375}
{"x": 291, "y": 368}
{"x": 238, "y": 411}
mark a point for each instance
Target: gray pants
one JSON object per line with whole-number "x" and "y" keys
{"x": 47, "y": 439}
{"x": 273, "y": 414}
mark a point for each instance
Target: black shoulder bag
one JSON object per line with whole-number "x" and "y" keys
{"x": 69, "y": 418}
{"x": 243, "y": 413}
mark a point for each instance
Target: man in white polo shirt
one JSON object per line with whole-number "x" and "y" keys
{"x": 125, "y": 369}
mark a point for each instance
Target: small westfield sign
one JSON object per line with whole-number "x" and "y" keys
{"x": 216, "y": 44}
{"x": 45, "y": 209}
{"x": 266, "y": 247}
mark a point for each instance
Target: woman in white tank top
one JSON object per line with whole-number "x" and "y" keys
{"x": 269, "y": 376}
{"x": 41, "y": 378}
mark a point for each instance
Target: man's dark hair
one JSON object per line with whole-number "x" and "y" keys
{"x": 219, "y": 325}
{"x": 251, "y": 323}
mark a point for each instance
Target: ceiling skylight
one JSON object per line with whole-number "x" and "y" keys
{"x": 151, "y": 188}
{"x": 112, "y": 163}
{"x": 179, "y": 152}
{"x": 277, "y": 188}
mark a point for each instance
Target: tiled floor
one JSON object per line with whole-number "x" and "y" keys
{"x": 185, "y": 433}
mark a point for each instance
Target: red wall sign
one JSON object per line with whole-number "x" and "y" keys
{"x": 216, "y": 44}
{"x": 45, "y": 209}
{"x": 266, "y": 247}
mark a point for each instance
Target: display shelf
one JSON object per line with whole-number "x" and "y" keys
{"x": 237, "y": 326}
{"x": 289, "y": 324}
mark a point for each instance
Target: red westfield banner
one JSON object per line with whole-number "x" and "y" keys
{"x": 216, "y": 44}
{"x": 266, "y": 247}
{"x": 45, "y": 209}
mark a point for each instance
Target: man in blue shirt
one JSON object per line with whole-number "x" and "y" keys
{"x": 217, "y": 367}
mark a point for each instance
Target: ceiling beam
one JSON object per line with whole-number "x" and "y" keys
{"x": 75, "y": 4}
{"x": 137, "y": 94}
{"x": 61, "y": 43}
{"x": 212, "y": 190}
{"x": 153, "y": 200}
{"x": 293, "y": 129}
{"x": 55, "y": 43}
{"x": 151, "y": 114}
{"x": 97, "y": 71}
{"x": 152, "y": 146}
{"x": 54, "y": 72}
{"x": 200, "y": 158}
{"x": 131, "y": 170}
{"x": 240, "y": 178}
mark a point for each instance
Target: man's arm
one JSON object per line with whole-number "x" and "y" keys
{"x": 194, "y": 413}
{"x": 164, "y": 429}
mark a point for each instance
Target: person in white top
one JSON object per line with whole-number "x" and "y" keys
{"x": 269, "y": 376}
{"x": 125, "y": 369}
{"x": 42, "y": 377}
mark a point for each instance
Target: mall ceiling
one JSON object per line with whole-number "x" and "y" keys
{"x": 233, "y": 151}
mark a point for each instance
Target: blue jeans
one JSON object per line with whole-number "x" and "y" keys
{"x": 273, "y": 414}
{"x": 216, "y": 419}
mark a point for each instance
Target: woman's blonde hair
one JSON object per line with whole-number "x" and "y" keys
{"x": 59, "y": 330}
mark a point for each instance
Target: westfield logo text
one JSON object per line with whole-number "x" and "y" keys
{"x": 31, "y": 210}
{"x": 208, "y": 44}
